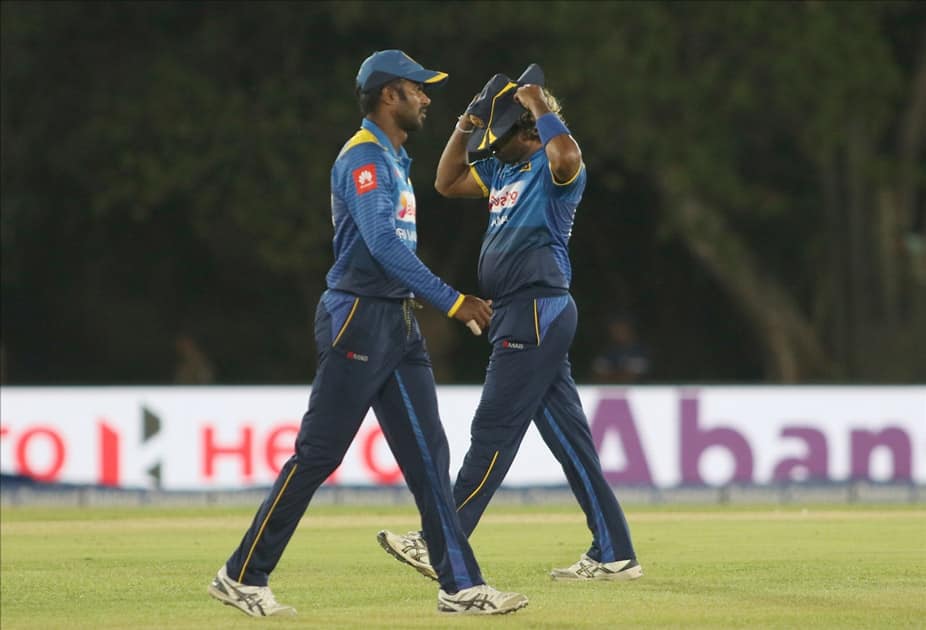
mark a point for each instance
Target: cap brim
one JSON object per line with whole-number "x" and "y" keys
{"x": 431, "y": 78}
{"x": 532, "y": 75}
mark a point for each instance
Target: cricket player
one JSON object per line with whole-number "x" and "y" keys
{"x": 512, "y": 147}
{"x": 371, "y": 354}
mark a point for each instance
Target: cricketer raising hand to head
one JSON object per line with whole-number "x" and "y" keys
{"x": 371, "y": 355}
{"x": 511, "y": 146}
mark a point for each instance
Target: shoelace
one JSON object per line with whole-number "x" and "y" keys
{"x": 416, "y": 542}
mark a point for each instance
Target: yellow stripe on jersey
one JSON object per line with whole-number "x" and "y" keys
{"x": 475, "y": 174}
{"x": 571, "y": 179}
{"x": 362, "y": 136}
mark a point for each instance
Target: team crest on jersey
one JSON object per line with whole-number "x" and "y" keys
{"x": 406, "y": 210}
{"x": 365, "y": 178}
{"x": 506, "y": 197}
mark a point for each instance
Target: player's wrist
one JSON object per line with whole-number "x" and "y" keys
{"x": 464, "y": 118}
{"x": 456, "y": 305}
{"x": 549, "y": 126}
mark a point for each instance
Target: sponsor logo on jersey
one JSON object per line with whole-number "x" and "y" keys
{"x": 358, "y": 357}
{"x": 513, "y": 345}
{"x": 409, "y": 236}
{"x": 406, "y": 207}
{"x": 505, "y": 198}
{"x": 365, "y": 178}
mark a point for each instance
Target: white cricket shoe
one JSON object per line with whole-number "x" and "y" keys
{"x": 480, "y": 600}
{"x": 588, "y": 569}
{"x": 256, "y": 601}
{"x": 410, "y": 549}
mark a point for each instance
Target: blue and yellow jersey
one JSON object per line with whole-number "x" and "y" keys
{"x": 373, "y": 212}
{"x": 526, "y": 246}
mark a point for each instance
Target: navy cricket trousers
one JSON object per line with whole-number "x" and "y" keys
{"x": 529, "y": 377}
{"x": 370, "y": 354}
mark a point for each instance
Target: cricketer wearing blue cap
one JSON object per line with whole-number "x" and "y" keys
{"x": 512, "y": 147}
{"x": 371, "y": 354}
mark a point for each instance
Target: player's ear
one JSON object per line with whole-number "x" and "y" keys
{"x": 392, "y": 92}
{"x": 386, "y": 94}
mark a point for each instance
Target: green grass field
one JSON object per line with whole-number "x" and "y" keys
{"x": 713, "y": 567}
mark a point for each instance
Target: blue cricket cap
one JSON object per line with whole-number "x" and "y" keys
{"x": 385, "y": 65}
{"x": 495, "y": 112}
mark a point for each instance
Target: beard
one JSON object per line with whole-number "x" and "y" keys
{"x": 508, "y": 155}
{"x": 410, "y": 121}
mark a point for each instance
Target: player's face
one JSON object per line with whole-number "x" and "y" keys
{"x": 510, "y": 148}
{"x": 412, "y": 107}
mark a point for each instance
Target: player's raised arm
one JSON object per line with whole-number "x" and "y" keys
{"x": 455, "y": 178}
{"x": 561, "y": 148}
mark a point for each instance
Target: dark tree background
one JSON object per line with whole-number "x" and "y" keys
{"x": 755, "y": 197}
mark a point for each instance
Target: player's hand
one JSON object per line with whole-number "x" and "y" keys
{"x": 474, "y": 310}
{"x": 472, "y": 104}
{"x": 531, "y": 97}
{"x": 468, "y": 112}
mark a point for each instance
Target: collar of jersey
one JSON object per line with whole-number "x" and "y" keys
{"x": 517, "y": 166}
{"x": 383, "y": 140}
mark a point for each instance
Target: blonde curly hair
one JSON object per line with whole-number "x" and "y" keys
{"x": 527, "y": 123}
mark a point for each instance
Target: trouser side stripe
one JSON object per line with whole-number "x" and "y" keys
{"x": 454, "y": 553}
{"x": 264, "y": 524}
{"x": 481, "y": 483}
{"x": 607, "y": 549}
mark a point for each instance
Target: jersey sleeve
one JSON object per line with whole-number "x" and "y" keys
{"x": 571, "y": 190}
{"x": 368, "y": 190}
{"x": 483, "y": 171}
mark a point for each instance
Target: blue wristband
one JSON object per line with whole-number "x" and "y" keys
{"x": 549, "y": 126}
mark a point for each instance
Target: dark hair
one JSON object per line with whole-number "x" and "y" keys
{"x": 369, "y": 100}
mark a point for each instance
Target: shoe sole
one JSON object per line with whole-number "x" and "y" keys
{"x": 426, "y": 571}
{"x": 220, "y": 596}
{"x": 634, "y": 573}
{"x": 511, "y": 609}
{"x": 217, "y": 594}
